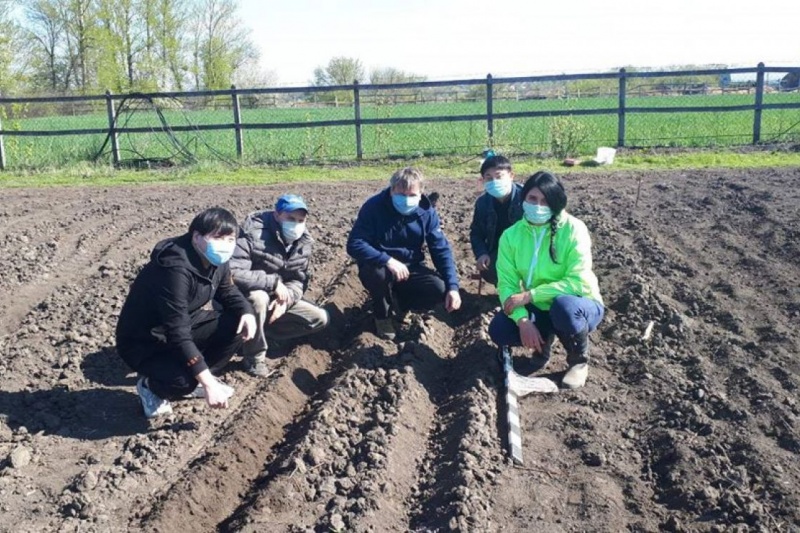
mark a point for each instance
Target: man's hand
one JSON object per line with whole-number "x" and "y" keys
{"x": 247, "y": 324}
{"x": 216, "y": 397}
{"x": 399, "y": 270}
{"x": 520, "y": 299}
{"x": 529, "y": 334}
{"x": 452, "y": 301}
{"x": 483, "y": 262}
{"x": 277, "y": 309}
{"x": 282, "y": 293}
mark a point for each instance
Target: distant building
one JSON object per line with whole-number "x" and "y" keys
{"x": 743, "y": 80}
{"x": 791, "y": 81}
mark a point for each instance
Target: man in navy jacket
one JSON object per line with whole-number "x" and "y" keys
{"x": 387, "y": 243}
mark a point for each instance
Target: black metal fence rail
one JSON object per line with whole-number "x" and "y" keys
{"x": 355, "y": 90}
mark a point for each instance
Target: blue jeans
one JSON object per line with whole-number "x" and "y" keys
{"x": 567, "y": 317}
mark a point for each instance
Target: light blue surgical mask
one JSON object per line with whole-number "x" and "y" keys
{"x": 292, "y": 230}
{"x": 535, "y": 213}
{"x": 405, "y": 205}
{"x": 218, "y": 251}
{"x": 498, "y": 188}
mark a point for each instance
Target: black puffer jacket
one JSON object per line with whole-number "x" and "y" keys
{"x": 261, "y": 258}
{"x": 170, "y": 292}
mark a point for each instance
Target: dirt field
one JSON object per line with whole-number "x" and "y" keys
{"x": 696, "y": 429}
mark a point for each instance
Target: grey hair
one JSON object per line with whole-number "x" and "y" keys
{"x": 405, "y": 178}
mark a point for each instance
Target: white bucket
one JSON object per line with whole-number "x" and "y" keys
{"x": 605, "y": 155}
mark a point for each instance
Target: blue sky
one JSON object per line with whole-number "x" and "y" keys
{"x": 444, "y": 39}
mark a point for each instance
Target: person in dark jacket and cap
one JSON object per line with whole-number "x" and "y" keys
{"x": 495, "y": 211}
{"x": 270, "y": 265}
{"x": 387, "y": 243}
{"x": 167, "y": 330}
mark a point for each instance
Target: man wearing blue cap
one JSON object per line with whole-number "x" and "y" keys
{"x": 270, "y": 265}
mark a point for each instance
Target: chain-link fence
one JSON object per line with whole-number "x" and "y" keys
{"x": 567, "y": 115}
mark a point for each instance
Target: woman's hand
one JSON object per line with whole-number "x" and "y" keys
{"x": 521, "y": 299}
{"x": 530, "y": 336}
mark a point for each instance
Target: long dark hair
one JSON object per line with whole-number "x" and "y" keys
{"x": 556, "y": 196}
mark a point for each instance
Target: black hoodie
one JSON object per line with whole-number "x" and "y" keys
{"x": 170, "y": 292}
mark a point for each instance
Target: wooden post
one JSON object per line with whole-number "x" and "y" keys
{"x": 489, "y": 109}
{"x": 112, "y": 128}
{"x": 621, "y": 109}
{"x": 237, "y": 121}
{"x": 759, "y": 102}
{"x": 2, "y": 148}
{"x": 357, "y": 108}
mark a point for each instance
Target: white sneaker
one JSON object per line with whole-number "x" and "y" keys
{"x": 576, "y": 376}
{"x": 200, "y": 391}
{"x": 153, "y": 405}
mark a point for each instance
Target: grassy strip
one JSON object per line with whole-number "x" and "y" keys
{"x": 219, "y": 174}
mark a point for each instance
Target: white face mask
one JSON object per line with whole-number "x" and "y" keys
{"x": 292, "y": 230}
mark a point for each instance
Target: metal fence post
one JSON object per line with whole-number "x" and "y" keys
{"x": 237, "y": 121}
{"x": 759, "y": 102}
{"x": 489, "y": 109}
{"x": 357, "y": 108}
{"x": 621, "y": 110}
{"x": 112, "y": 128}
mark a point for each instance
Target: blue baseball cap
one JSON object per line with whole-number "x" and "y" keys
{"x": 291, "y": 202}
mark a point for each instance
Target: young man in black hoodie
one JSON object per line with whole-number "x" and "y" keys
{"x": 168, "y": 331}
{"x": 388, "y": 242}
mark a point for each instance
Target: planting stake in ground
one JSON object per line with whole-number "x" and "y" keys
{"x": 516, "y": 387}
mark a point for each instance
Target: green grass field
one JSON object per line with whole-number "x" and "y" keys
{"x": 325, "y": 144}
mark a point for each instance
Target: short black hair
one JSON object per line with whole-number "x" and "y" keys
{"x": 495, "y": 161}
{"x": 552, "y": 189}
{"x": 214, "y": 221}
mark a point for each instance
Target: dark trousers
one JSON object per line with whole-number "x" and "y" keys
{"x": 569, "y": 317}
{"x": 215, "y": 336}
{"x": 423, "y": 289}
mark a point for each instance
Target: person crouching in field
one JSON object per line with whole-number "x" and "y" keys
{"x": 270, "y": 265}
{"x": 495, "y": 211}
{"x": 548, "y": 255}
{"x": 167, "y": 330}
{"x": 387, "y": 243}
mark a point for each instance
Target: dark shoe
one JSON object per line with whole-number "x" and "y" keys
{"x": 257, "y": 365}
{"x": 385, "y": 329}
{"x": 577, "y": 347}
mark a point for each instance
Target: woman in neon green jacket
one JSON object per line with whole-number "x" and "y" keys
{"x": 545, "y": 280}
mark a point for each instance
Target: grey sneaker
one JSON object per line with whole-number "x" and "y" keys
{"x": 385, "y": 329}
{"x": 576, "y": 376}
{"x": 153, "y": 405}
{"x": 258, "y": 366}
{"x": 200, "y": 391}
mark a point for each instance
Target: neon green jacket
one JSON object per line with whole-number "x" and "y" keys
{"x": 520, "y": 268}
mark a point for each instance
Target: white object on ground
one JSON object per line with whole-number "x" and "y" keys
{"x": 648, "y": 330}
{"x": 605, "y": 155}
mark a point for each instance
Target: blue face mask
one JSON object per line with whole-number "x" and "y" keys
{"x": 498, "y": 188}
{"x": 535, "y": 213}
{"x": 405, "y": 205}
{"x": 218, "y": 251}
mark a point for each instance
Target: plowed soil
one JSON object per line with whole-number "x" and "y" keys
{"x": 693, "y": 429}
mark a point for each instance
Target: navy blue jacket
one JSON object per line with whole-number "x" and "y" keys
{"x": 380, "y": 232}
{"x": 484, "y": 221}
